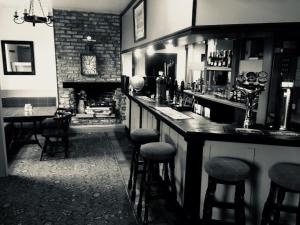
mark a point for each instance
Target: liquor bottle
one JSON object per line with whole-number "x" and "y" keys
{"x": 225, "y": 58}
{"x": 229, "y": 59}
{"x": 212, "y": 61}
{"x": 215, "y": 58}
{"x": 209, "y": 60}
{"x": 220, "y": 58}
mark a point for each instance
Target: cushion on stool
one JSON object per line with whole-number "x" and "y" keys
{"x": 158, "y": 151}
{"x": 143, "y": 136}
{"x": 227, "y": 169}
{"x": 286, "y": 175}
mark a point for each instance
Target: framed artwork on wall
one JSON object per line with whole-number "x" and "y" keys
{"x": 139, "y": 20}
{"x": 88, "y": 64}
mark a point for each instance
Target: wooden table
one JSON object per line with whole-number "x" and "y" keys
{"x": 18, "y": 115}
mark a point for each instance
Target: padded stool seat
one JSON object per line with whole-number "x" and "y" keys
{"x": 227, "y": 169}
{"x": 285, "y": 178}
{"x": 143, "y": 136}
{"x": 153, "y": 154}
{"x": 158, "y": 151}
{"x": 286, "y": 175}
{"x": 139, "y": 137}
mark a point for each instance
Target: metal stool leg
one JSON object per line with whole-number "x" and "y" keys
{"x": 280, "y": 198}
{"x": 208, "y": 201}
{"x": 298, "y": 213}
{"x": 240, "y": 217}
{"x": 135, "y": 173}
{"x": 142, "y": 188}
{"x": 147, "y": 191}
{"x": 172, "y": 176}
{"x": 131, "y": 168}
{"x": 266, "y": 214}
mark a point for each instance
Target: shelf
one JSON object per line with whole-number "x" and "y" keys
{"x": 218, "y": 100}
{"x": 217, "y": 68}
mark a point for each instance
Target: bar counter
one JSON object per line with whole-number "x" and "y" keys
{"x": 197, "y": 139}
{"x": 199, "y": 127}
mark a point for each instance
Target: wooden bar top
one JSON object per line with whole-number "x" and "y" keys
{"x": 201, "y": 128}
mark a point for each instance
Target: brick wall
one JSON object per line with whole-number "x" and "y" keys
{"x": 70, "y": 28}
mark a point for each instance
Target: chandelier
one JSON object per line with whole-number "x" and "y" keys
{"x": 29, "y": 16}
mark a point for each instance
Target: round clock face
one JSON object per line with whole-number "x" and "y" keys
{"x": 88, "y": 63}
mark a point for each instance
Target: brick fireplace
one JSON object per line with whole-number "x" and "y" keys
{"x": 103, "y": 102}
{"x": 70, "y": 28}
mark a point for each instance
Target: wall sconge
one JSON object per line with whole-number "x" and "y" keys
{"x": 90, "y": 42}
{"x": 169, "y": 44}
{"x": 137, "y": 53}
{"x": 150, "y": 50}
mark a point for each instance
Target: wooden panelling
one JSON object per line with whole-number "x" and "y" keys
{"x": 135, "y": 116}
{"x": 170, "y": 136}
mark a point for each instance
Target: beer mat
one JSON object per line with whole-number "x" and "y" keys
{"x": 145, "y": 98}
{"x": 172, "y": 113}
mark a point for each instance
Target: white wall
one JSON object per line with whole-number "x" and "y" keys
{"x": 194, "y": 64}
{"x": 3, "y": 159}
{"x": 212, "y": 12}
{"x": 127, "y": 64}
{"x": 163, "y": 17}
{"x": 44, "y": 82}
{"x": 140, "y": 64}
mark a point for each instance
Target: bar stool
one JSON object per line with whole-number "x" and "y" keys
{"x": 285, "y": 177}
{"x": 139, "y": 136}
{"x": 225, "y": 170}
{"x": 153, "y": 154}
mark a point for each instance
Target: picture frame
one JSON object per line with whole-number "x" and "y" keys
{"x": 139, "y": 21}
{"x": 88, "y": 64}
{"x": 18, "y": 57}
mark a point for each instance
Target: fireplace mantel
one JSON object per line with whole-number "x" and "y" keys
{"x": 85, "y": 83}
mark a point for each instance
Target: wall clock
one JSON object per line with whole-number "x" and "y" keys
{"x": 88, "y": 64}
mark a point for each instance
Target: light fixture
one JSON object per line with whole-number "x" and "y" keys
{"x": 169, "y": 45}
{"x": 29, "y": 15}
{"x": 137, "y": 53}
{"x": 150, "y": 50}
{"x": 89, "y": 39}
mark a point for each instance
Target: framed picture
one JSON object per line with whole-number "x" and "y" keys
{"x": 139, "y": 20}
{"x": 88, "y": 64}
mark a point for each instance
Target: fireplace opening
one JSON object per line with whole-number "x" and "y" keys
{"x": 96, "y": 103}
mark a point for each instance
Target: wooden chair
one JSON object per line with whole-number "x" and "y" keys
{"x": 55, "y": 132}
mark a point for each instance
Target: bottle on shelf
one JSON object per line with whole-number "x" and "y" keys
{"x": 215, "y": 59}
{"x": 209, "y": 60}
{"x": 225, "y": 58}
{"x": 220, "y": 58}
{"x": 229, "y": 58}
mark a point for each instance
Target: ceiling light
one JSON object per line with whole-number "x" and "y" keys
{"x": 31, "y": 17}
